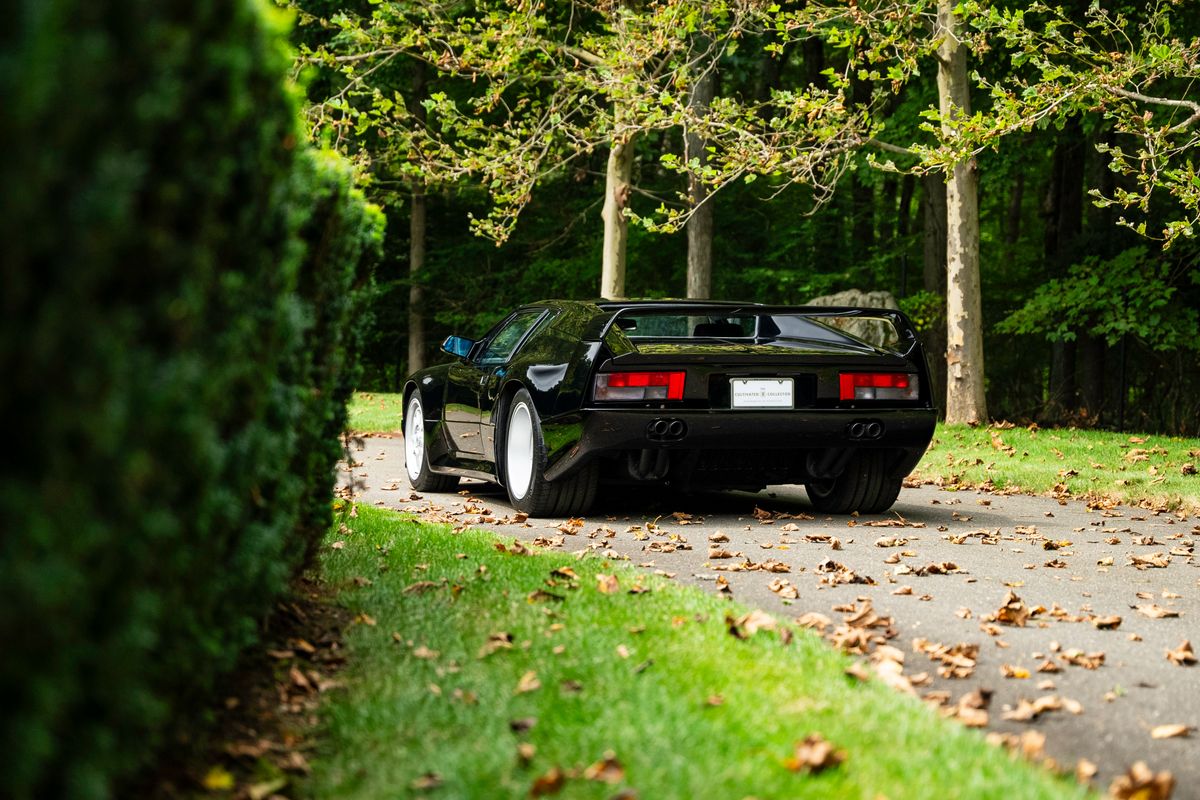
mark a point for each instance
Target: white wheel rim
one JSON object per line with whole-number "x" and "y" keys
{"x": 414, "y": 439}
{"x": 518, "y": 447}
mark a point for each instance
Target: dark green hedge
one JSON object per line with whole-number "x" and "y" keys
{"x": 172, "y": 365}
{"x": 344, "y": 234}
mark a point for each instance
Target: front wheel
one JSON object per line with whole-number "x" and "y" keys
{"x": 416, "y": 458}
{"x": 524, "y": 454}
{"x": 865, "y": 487}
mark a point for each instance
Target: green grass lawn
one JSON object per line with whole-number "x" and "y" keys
{"x": 375, "y": 412}
{"x": 654, "y": 679}
{"x": 1088, "y": 463}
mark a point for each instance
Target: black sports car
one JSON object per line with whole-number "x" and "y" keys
{"x": 564, "y": 394}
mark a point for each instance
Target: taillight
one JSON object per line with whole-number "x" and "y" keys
{"x": 640, "y": 385}
{"x": 877, "y": 386}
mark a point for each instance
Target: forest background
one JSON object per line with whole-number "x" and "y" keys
{"x": 809, "y": 137}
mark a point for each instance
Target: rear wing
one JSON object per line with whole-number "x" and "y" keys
{"x": 905, "y": 330}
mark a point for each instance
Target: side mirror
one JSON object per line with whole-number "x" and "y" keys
{"x": 458, "y": 346}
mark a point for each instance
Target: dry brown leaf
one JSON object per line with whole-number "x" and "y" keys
{"x": 1109, "y": 623}
{"x": 528, "y": 683}
{"x": 748, "y": 624}
{"x": 430, "y": 780}
{"x": 784, "y": 588}
{"x": 551, "y": 782}
{"x": 1155, "y": 611}
{"x": 1085, "y": 770}
{"x": 1010, "y": 671}
{"x": 1141, "y": 783}
{"x": 717, "y": 553}
{"x": 814, "y": 620}
{"x": 814, "y": 754}
{"x": 606, "y": 770}
{"x": 1183, "y": 655}
{"x": 1159, "y": 560}
{"x": 1011, "y": 612}
{"x": 496, "y": 641}
{"x": 607, "y": 584}
{"x": 1170, "y": 731}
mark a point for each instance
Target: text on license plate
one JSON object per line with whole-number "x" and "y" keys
{"x": 761, "y": 392}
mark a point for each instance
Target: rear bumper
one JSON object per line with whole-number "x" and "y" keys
{"x": 905, "y": 431}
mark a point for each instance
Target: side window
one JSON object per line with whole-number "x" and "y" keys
{"x": 501, "y": 346}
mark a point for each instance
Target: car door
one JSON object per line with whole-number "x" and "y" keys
{"x": 471, "y": 382}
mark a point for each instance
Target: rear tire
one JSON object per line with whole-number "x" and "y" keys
{"x": 864, "y": 487}
{"x": 524, "y": 454}
{"x": 416, "y": 456}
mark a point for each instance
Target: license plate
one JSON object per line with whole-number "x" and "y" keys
{"x": 762, "y": 392}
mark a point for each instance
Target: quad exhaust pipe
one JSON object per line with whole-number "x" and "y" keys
{"x": 865, "y": 429}
{"x": 664, "y": 429}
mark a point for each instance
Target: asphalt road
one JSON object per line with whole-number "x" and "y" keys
{"x": 997, "y": 544}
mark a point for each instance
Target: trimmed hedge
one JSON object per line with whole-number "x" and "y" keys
{"x": 343, "y": 233}
{"x": 173, "y": 363}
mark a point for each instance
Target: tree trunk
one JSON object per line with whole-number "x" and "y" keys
{"x": 617, "y": 180}
{"x": 700, "y": 224}
{"x": 933, "y": 276}
{"x": 965, "y": 400}
{"x": 1063, "y": 211}
{"x": 416, "y": 264}
{"x": 416, "y": 243}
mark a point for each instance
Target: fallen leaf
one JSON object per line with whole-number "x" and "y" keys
{"x": 606, "y": 770}
{"x": 1155, "y": 611}
{"x": 1012, "y": 612}
{"x": 1140, "y": 783}
{"x": 607, "y": 584}
{"x": 1170, "y": 731}
{"x": 529, "y": 683}
{"x": 1109, "y": 623}
{"x": 784, "y": 588}
{"x": 1085, "y": 770}
{"x": 551, "y": 782}
{"x": 748, "y": 624}
{"x": 1183, "y": 655}
{"x": 525, "y": 753}
{"x": 495, "y": 641}
{"x": 430, "y": 780}
{"x": 814, "y": 754}
{"x": 1010, "y": 671}
{"x": 522, "y": 724}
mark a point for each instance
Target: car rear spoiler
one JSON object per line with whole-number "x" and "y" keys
{"x": 905, "y": 330}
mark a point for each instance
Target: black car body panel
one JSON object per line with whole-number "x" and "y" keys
{"x": 699, "y": 439}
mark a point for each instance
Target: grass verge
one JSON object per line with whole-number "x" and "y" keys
{"x": 653, "y": 678}
{"x": 375, "y": 412}
{"x": 1155, "y": 471}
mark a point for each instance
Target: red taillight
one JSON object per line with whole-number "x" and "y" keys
{"x": 877, "y": 386}
{"x": 640, "y": 385}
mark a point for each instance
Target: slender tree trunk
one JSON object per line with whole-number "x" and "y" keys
{"x": 965, "y": 400}
{"x": 700, "y": 224}
{"x": 933, "y": 275}
{"x": 1064, "y": 224}
{"x": 416, "y": 265}
{"x": 416, "y": 243}
{"x": 617, "y": 185}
